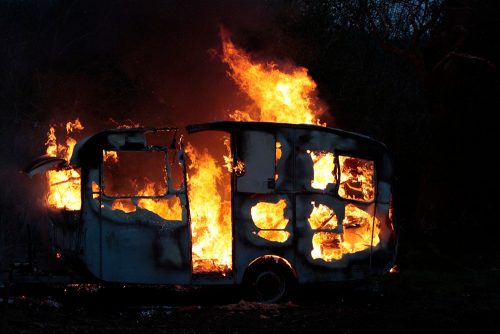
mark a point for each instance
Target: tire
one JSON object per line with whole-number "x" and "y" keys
{"x": 268, "y": 283}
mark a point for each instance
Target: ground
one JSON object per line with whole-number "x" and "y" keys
{"x": 432, "y": 298}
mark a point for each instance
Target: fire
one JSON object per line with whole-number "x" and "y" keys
{"x": 280, "y": 95}
{"x": 167, "y": 208}
{"x": 64, "y": 184}
{"x": 270, "y": 217}
{"x": 210, "y": 213}
{"x": 290, "y": 97}
{"x": 359, "y": 228}
{"x": 124, "y": 204}
{"x": 356, "y": 179}
{"x": 322, "y": 217}
{"x": 357, "y": 236}
{"x": 327, "y": 246}
{"x": 239, "y": 167}
{"x": 277, "y": 158}
{"x": 110, "y": 156}
{"x": 285, "y": 94}
{"x": 323, "y": 165}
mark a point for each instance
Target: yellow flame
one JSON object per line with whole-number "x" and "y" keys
{"x": 323, "y": 165}
{"x": 239, "y": 166}
{"x": 359, "y": 226}
{"x": 271, "y": 216}
{"x": 327, "y": 246}
{"x": 167, "y": 208}
{"x": 357, "y": 235}
{"x": 63, "y": 185}
{"x": 322, "y": 217}
{"x": 284, "y": 96}
{"x": 210, "y": 213}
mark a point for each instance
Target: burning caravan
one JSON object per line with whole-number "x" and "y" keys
{"x": 305, "y": 204}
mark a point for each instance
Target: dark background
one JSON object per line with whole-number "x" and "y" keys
{"x": 421, "y": 76}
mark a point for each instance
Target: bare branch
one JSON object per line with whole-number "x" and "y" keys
{"x": 466, "y": 56}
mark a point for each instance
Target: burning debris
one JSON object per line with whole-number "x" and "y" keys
{"x": 261, "y": 204}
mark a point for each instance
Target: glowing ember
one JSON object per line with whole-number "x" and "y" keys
{"x": 357, "y": 235}
{"x": 356, "y": 179}
{"x": 210, "y": 213}
{"x": 280, "y": 95}
{"x": 394, "y": 269}
{"x": 270, "y": 219}
{"x": 323, "y": 164}
{"x": 63, "y": 185}
{"x": 239, "y": 168}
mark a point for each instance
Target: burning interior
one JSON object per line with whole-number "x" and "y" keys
{"x": 154, "y": 209}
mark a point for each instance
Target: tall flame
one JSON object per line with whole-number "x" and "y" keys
{"x": 280, "y": 95}
{"x": 210, "y": 213}
{"x": 64, "y": 184}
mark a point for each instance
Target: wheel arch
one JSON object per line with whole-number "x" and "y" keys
{"x": 271, "y": 267}
{"x": 273, "y": 260}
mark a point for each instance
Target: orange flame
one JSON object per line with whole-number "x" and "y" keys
{"x": 359, "y": 227}
{"x": 124, "y": 204}
{"x": 277, "y": 157}
{"x": 322, "y": 217}
{"x": 357, "y": 179}
{"x": 167, "y": 208}
{"x": 63, "y": 185}
{"x": 280, "y": 95}
{"x": 239, "y": 166}
{"x": 110, "y": 156}
{"x": 323, "y": 165}
{"x": 210, "y": 213}
{"x": 270, "y": 217}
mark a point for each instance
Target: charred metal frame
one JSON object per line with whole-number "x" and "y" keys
{"x": 144, "y": 248}
{"x": 293, "y": 184}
